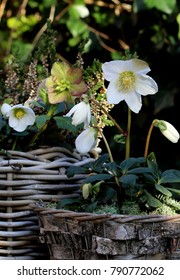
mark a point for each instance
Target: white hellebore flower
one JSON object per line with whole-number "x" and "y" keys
{"x": 86, "y": 140}
{"x": 168, "y": 130}
{"x": 19, "y": 116}
{"x": 128, "y": 81}
{"x": 81, "y": 114}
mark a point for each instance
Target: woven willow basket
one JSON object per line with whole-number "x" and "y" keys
{"x": 85, "y": 236}
{"x": 25, "y": 178}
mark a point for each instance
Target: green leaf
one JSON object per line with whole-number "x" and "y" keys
{"x": 174, "y": 190}
{"x": 139, "y": 170}
{"x": 41, "y": 120}
{"x": 178, "y": 21}
{"x": 72, "y": 42}
{"x": 78, "y": 11}
{"x": 149, "y": 178}
{"x": 163, "y": 190}
{"x": 152, "y": 164}
{"x": 98, "y": 177}
{"x": 129, "y": 179}
{"x": 65, "y": 123}
{"x": 61, "y": 107}
{"x": 21, "y": 24}
{"x": 170, "y": 176}
{"x": 76, "y": 27}
{"x": 72, "y": 170}
{"x": 152, "y": 201}
{"x": 120, "y": 138}
{"x": 166, "y": 6}
{"x": 99, "y": 164}
{"x": 39, "y": 104}
{"x": 44, "y": 96}
{"x": 111, "y": 168}
{"x": 107, "y": 194}
{"x": 130, "y": 163}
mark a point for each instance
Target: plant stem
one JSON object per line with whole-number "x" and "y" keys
{"x": 119, "y": 189}
{"x": 14, "y": 144}
{"x": 107, "y": 145}
{"x": 148, "y": 138}
{"x": 127, "y": 155}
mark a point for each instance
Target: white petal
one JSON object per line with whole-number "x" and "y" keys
{"x": 71, "y": 112}
{"x": 114, "y": 96}
{"x": 80, "y": 114}
{"x": 5, "y": 109}
{"x": 139, "y": 66}
{"x": 28, "y": 119}
{"x": 146, "y": 85}
{"x": 85, "y": 141}
{"x": 88, "y": 117}
{"x": 13, "y": 122}
{"x": 20, "y": 126}
{"x": 112, "y": 69}
{"x": 134, "y": 101}
{"x": 171, "y": 133}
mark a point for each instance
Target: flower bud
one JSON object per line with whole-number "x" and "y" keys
{"x": 168, "y": 130}
{"x": 86, "y": 190}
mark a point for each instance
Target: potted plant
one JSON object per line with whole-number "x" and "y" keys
{"x": 36, "y": 145}
{"x": 128, "y": 208}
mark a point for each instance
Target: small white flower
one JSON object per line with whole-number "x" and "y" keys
{"x": 19, "y": 116}
{"x": 168, "y": 130}
{"x": 81, "y": 114}
{"x": 86, "y": 140}
{"x": 5, "y": 109}
{"x": 128, "y": 81}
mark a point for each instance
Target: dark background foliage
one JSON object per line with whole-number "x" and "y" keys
{"x": 150, "y": 28}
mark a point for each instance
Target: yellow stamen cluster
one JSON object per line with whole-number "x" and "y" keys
{"x": 19, "y": 113}
{"x": 126, "y": 81}
{"x": 63, "y": 85}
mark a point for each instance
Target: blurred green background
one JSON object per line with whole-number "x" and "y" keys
{"x": 150, "y": 28}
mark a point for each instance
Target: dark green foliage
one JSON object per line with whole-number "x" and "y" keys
{"x": 140, "y": 181}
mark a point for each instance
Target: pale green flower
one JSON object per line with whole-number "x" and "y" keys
{"x": 86, "y": 140}
{"x": 168, "y": 130}
{"x": 19, "y": 116}
{"x": 65, "y": 83}
{"x": 128, "y": 81}
{"x": 81, "y": 114}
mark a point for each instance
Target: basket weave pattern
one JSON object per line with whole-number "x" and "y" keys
{"x": 25, "y": 178}
{"x": 72, "y": 235}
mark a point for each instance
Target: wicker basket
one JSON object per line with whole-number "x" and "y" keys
{"x": 85, "y": 236}
{"x": 25, "y": 178}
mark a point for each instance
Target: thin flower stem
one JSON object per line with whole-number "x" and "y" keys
{"x": 119, "y": 188}
{"x": 109, "y": 116}
{"x": 110, "y": 156}
{"x": 106, "y": 144}
{"x": 14, "y": 144}
{"x": 148, "y": 138}
{"x": 127, "y": 155}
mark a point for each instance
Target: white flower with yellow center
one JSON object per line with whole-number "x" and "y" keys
{"x": 19, "y": 116}
{"x": 128, "y": 81}
{"x": 86, "y": 140}
{"x": 81, "y": 114}
{"x": 168, "y": 130}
